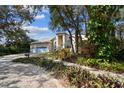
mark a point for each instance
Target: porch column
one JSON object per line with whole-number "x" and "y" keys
{"x": 56, "y": 41}
{"x": 64, "y": 40}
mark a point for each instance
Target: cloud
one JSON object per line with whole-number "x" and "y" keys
{"x": 38, "y": 33}
{"x": 42, "y": 16}
{"x": 34, "y": 30}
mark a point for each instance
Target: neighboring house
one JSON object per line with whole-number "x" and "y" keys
{"x": 61, "y": 40}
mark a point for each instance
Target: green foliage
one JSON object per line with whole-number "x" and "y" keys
{"x": 102, "y": 64}
{"x": 16, "y": 47}
{"x": 32, "y": 60}
{"x": 106, "y": 51}
{"x": 76, "y": 76}
{"x": 13, "y": 17}
{"x": 119, "y": 55}
{"x": 101, "y": 29}
{"x": 64, "y": 53}
{"x": 46, "y": 55}
{"x": 70, "y": 19}
{"x": 82, "y": 78}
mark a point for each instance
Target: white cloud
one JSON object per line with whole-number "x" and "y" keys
{"x": 34, "y": 30}
{"x": 40, "y": 16}
{"x": 37, "y": 33}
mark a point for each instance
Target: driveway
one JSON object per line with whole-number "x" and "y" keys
{"x": 19, "y": 75}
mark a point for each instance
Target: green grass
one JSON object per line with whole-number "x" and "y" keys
{"x": 76, "y": 76}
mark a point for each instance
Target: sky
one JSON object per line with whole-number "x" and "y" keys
{"x": 39, "y": 29}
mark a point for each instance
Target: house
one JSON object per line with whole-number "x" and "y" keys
{"x": 61, "y": 40}
{"x": 40, "y": 46}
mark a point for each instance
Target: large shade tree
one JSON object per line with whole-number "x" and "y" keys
{"x": 12, "y": 18}
{"x": 71, "y": 19}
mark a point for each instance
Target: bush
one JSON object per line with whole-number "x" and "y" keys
{"x": 82, "y": 78}
{"x": 64, "y": 53}
{"x": 32, "y": 60}
{"x": 82, "y": 61}
{"x": 102, "y": 64}
{"x": 120, "y": 55}
{"x": 76, "y": 76}
{"x": 45, "y": 55}
{"x": 105, "y": 51}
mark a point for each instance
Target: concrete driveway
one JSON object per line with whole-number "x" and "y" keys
{"x": 19, "y": 75}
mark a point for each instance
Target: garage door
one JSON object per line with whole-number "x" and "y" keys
{"x": 42, "y": 49}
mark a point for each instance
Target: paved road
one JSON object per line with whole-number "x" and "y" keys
{"x": 19, "y": 75}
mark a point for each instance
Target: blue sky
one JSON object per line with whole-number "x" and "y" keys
{"x": 39, "y": 29}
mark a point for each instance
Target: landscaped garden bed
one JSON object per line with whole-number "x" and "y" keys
{"x": 102, "y": 64}
{"x": 74, "y": 75}
{"x": 116, "y": 66}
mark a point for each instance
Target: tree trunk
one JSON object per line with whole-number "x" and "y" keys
{"x": 81, "y": 41}
{"x": 71, "y": 41}
{"x": 120, "y": 34}
{"x": 76, "y": 41}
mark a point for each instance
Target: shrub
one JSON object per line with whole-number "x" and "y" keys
{"x": 105, "y": 51}
{"x": 82, "y": 61}
{"x": 76, "y": 76}
{"x": 32, "y": 60}
{"x": 46, "y": 55}
{"x": 102, "y": 64}
{"x": 120, "y": 55}
{"x": 93, "y": 62}
{"x": 88, "y": 62}
{"x": 82, "y": 78}
{"x": 64, "y": 53}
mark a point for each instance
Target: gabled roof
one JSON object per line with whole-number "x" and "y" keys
{"x": 44, "y": 40}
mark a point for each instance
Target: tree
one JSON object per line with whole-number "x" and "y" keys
{"x": 19, "y": 46}
{"x": 12, "y": 18}
{"x": 68, "y": 18}
{"x": 59, "y": 22}
{"x": 120, "y": 25}
{"x": 120, "y": 31}
{"x": 101, "y": 29}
